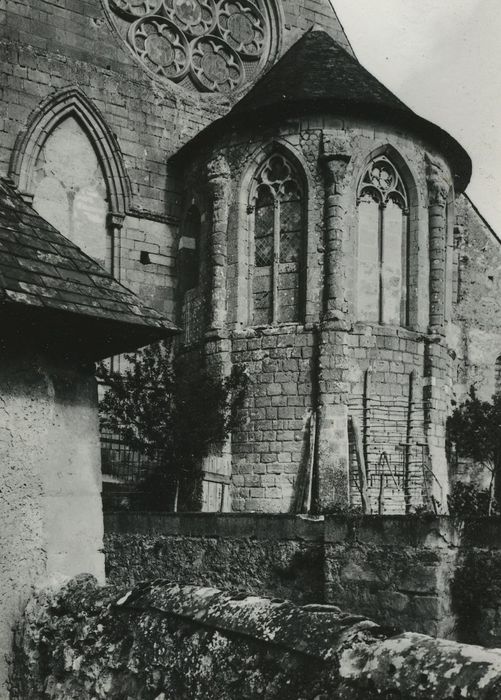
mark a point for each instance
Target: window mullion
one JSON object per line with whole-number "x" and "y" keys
{"x": 381, "y": 261}
{"x": 276, "y": 261}
{"x": 405, "y": 267}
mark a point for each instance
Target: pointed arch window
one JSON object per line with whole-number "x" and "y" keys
{"x": 383, "y": 234}
{"x": 69, "y": 189}
{"x": 278, "y": 207}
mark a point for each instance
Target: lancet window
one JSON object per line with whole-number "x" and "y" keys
{"x": 278, "y": 208}
{"x": 69, "y": 189}
{"x": 383, "y": 233}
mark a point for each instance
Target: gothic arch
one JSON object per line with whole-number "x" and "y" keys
{"x": 262, "y": 153}
{"x": 71, "y": 102}
{"x": 239, "y": 310}
{"x": 407, "y": 270}
{"x": 277, "y": 247}
{"x": 405, "y": 169}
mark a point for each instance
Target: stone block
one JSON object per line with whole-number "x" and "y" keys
{"x": 333, "y": 458}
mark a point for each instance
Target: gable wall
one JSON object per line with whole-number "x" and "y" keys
{"x": 475, "y": 335}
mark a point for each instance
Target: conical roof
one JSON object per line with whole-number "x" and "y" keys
{"x": 316, "y": 68}
{"x": 316, "y": 72}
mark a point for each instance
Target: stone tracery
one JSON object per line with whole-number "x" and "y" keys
{"x": 161, "y": 46}
{"x": 216, "y": 44}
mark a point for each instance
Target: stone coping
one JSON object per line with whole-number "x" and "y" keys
{"x": 411, "y": 531}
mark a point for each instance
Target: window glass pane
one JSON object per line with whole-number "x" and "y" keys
{"x": 288, "y": 294}
{"x": 368, "y": 259}
{"x": 263, "y": 227}
{"x": 392, "y": 267}
{"x": 278, "y": 240}
{"x": 291, "y": 226}
{"x": 262, "y": 296}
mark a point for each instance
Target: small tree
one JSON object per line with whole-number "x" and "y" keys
{"x": 171, "y": 414}
{"x": 475, "y": 429}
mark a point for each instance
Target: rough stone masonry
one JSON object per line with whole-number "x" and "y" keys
{"x": 159, "y": 641}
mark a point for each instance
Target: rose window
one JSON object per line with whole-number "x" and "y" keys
{"x": 161, "y": 46}
{"x": 209, "y": 45}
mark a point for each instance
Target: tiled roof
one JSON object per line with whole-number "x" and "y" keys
{"x": 43, "y": 270}
{"x": 317, "y": 72}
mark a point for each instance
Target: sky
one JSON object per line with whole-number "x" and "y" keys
{"x": 443, "y": 59}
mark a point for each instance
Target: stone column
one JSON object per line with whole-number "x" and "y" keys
{"x": 114, "y": 223}
{"x": 438, "y": 192}
{"x": 437, "y": 371}
{"x": 335, "y": 161}
{"x": 332, "y": 468}
{"x": 217, "y": 344}
{"x": 218, "y": 173}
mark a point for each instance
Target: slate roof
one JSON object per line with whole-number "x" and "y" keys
{"x": 316, "y": 68}
{"x": 318, "y": 72}
{"x": 43, "y": 271}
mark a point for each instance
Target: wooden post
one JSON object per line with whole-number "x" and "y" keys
{"x": 381, "y": 495}
{"x": 362, "y": 467}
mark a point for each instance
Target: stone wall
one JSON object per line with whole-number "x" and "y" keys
{"x": 270, "y": 449}
{"x": 475, "y": 587}
{"x": 428, "y": 575}
{"x": 395, "y": 381}
{"x": 50, "y": 482}
{"x": 474, "y": 336}
{"x": 158, "y": 640}
{"x": 398, "y": 570}
{"x": 476, "y": 328}
{"x": 264, "y": 555}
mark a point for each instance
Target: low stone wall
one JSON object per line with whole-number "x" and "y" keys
{"x": 279, "y": 556}
{"x": 163, "y": 641}
{"x": 476, "y": 583}
{"x": 428, "y": 575}
{"x": 397, "y": 570}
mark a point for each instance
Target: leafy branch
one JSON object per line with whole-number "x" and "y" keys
{"x": 170, "y": 413}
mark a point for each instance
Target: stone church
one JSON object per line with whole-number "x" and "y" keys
{"x": 234, "y": 165}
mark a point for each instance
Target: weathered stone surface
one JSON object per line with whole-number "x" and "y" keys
{"x": 266, "y": 555}
{"x": 426, "y": 575}
{"x": 49, "y": 476}
{"x": 163, "y": 641}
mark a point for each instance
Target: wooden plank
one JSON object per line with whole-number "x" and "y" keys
{"x": 215, "y": 478}
{"x": 362, "y": 467}
{"x": 308, "y": 486}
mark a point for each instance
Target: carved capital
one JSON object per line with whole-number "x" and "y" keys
{"x": 336, "y": 145}
{"x": 335, "y": 169}
{"x": 218, "y": 175}
{"x": 438, "y": 182}
{"x": 115, "y": 221}
{"x": 336, "y": 154}
{"x": 218, "y": 167}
